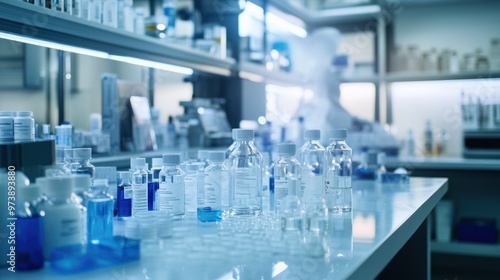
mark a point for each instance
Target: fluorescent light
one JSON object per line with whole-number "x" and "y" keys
{"x": 349, "y": 11}
{"x": 152, "y": 64}
{"x": 52, "y": 45}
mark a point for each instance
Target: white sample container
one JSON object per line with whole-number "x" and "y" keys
{"x": 24, "y": 126}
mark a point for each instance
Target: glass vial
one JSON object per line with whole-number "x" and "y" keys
{"x": 124, "y": 194}
{"x": 151, "y": 188}
{"x": 100, "y": 208}
{"x": 172, "y": 188}
{"x": 81, "y": 162}
{"x": 139, "y": 187}
{"x": 287, "y": 175}
{"x": 7, "y": 126}
{"x": 110, "y": 13}
{"x": 24, "y": 126}
{"x": 193, "y": 181}
{"x": 155, "y": 170}
{"x": 339, "y": 173}
{"x": 213, "y": 196}
{"x": 312, "y": 159}
{"x": 80, "y": 196}
{"x": 245, "y": 175}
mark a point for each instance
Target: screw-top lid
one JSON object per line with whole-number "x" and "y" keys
{"x": 82, "y": 154}
{"x": 157, "y": 162}
{"x": 82, "y": 181}
{"x": 244, "y": 134}
{"x": 234, "y": 132}
{"x": 24, "y": 114}
{"x": 192, "y": 167}
{"x": 57, "y": 187}
{"x": 286, "y": 149}
{"x": 203, "y": 154}
{"x": 68, "y": 154}
{"x": 124, "y": 175}
{"x": 139, "y": 163}
{"x": 7, "y": 114}
{"x": 171, "y": 159}
{"x": 28, "y": 193}
{"x": 216, "y": 156}
{"x": 338, "y": 134}
{"x": 381, "y": 158}
{"x": 312, "y": 134}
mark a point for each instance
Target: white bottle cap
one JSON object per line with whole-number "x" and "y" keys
{"x": 82, "y": 181}
{"x": 171, "y": 159}
{"x": 140, "y": 163}
{"x": 244, "y": 134}
{"x": 216, "y": 156}
{"x": 124, "y": 174}
{"x": 312, "y": 134}
{"x": 157, "y": 162}
{"x": 338, "y": 134}
{"x": 28, "y": 193}
{"x": 234, "y": 132}
{"x": 7, "y": 114}
{"x": 82, "y": 153}
{"x": 24, "y": 114}
{"x": 95, "y": 121}
{"x": 286, "y": 149}
{"x": 192, "y": 167}
{"x": 57, "y": 187}
{"x": 68, "y": 154}
{"x": 203, "y": 154}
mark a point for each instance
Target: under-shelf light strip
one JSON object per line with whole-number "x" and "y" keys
{"x": 274, "y": 20}
{"x": 98, "y": 54}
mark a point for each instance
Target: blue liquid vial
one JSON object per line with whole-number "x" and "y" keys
{"x": 124, "y": 194}
{"x": 99, "y": 212}
{"x": 210, "y": 192}
{"x": 155, "y": 170}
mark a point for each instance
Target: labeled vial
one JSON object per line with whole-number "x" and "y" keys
{"x": 68, "y": 158}
{"x": 81, "y": 162}
{"x": 155, "y": 170}
{"x": 312, "y": 159}
{"x": 287, "y": 175}
{"x": 29, "y": 237}
{"x": 64, "y": 136}
{"x": 193, "y": 181}
{"x": 151, "y": 188}
{"x": 245, "y": 175}
{"x": 213, "y": 196}
{"x": 62, "y": 215}
{"x": 60, "y": 168}
{"x": 7, "y": 126}
{"x": 100, "y": 208}
{"x": 95, "y": 10}
{"x": 172, "y": 190}
{"x": 139, "y": 187}
{"x": 80, "y": 195}
{"x": 110, "y": 13}
{"x": 24, "y": 126}
{"x": 124, "y": 194}
{"x": 339, "y": 173}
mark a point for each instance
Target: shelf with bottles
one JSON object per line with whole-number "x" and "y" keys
{"x": 408, "y": 76}
{"x": 29, "y": 23}
{"x": 466, "y": 249}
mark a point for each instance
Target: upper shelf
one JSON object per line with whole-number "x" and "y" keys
{"x": 416, "y": 76}
{"x": 30, "y": 21}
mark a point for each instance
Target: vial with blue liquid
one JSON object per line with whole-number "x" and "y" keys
{"x": 124, "y": 194}
{"x": 216, "y": 185}
{"x": 155, "y": 182}
{"x": 100, "y": 208}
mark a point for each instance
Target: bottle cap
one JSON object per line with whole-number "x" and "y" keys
{"x": 312, "y": 134}
{"x": 82, "y": 181}
{"x": 7, "y": 114}
{"x": 24, "y": 114}
{"x": 171, "y": 159}
{"x": 216, "y": 156}
{"x": 203, "y": 154}
{"x": 192, "y": 167}
{"x": 234, "y": 132}
{"x": 157, "y": 162}
{"x": 244, "y": 134}
{"x": 139, "y": 163}
{"x": 124, "y": 175}
{"x": 57, "y": 187}
{"x": 28, "y": 193}
{"x": 338, "y": 134}
{"x": 381, "y": 158}
{"x": 82, "y": 154}
{"x": 68, "y": 154}
{"x": 286, "y": 149}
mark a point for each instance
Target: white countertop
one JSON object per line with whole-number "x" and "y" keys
{"x": 454, "y": 163}
{"x": 361, "y": 243}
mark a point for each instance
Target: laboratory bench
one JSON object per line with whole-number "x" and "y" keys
{"x": 386, "y": 236}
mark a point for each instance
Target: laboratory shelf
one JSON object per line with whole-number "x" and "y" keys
{"x": 359, "y": 78}
{"x": 28, "y": 22}
{"x": 437, "y": 76}
{"x": 466, "y": 249}
{"x": 259, "y": 73}
{"x": 443, "y": 163}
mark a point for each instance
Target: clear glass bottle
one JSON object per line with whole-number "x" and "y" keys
{"x": 62, "y": 215}
{"x": 193, "y": 181}
{"x": 213, "y": 196}
{"x": 151, "y": 188}
{"x": 312, "y": 160}
{"x": 80, "y": 195}
{"x": 139, "y": 187}
{"x": 29, "y": 229}
{"x": 203, "y": 157}
{"x": 68, "y": 158}
{"x": 339, "y": 173}
{"x": 172, "y": 188}
{"x": 267, "y": 184}
{"x": 100, "y": 208}
{"x": 155, "y": 170}
{"x": 245, "y": 175}
{"x": 124, "y": 194}
{"x": 81, "y": 162}
{"x": 60, "y": 168}
{"x": 316, "y": 242}
{"x": 287, "y": 175}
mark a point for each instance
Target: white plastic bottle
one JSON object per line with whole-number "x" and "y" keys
{"x": 139, "y": 187}
{"x": 245, "y": 175}
{"x": 7, "y": 126}
{"x": 110, "y": 13}
{"x": 339, "y": 173}
{"x": 312, "y": 159}
{"x": 24, "y": 126}
{"x": 287, "y": 175}
{"x": 62, "y": 219}
{"x": 172, "y": 188}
